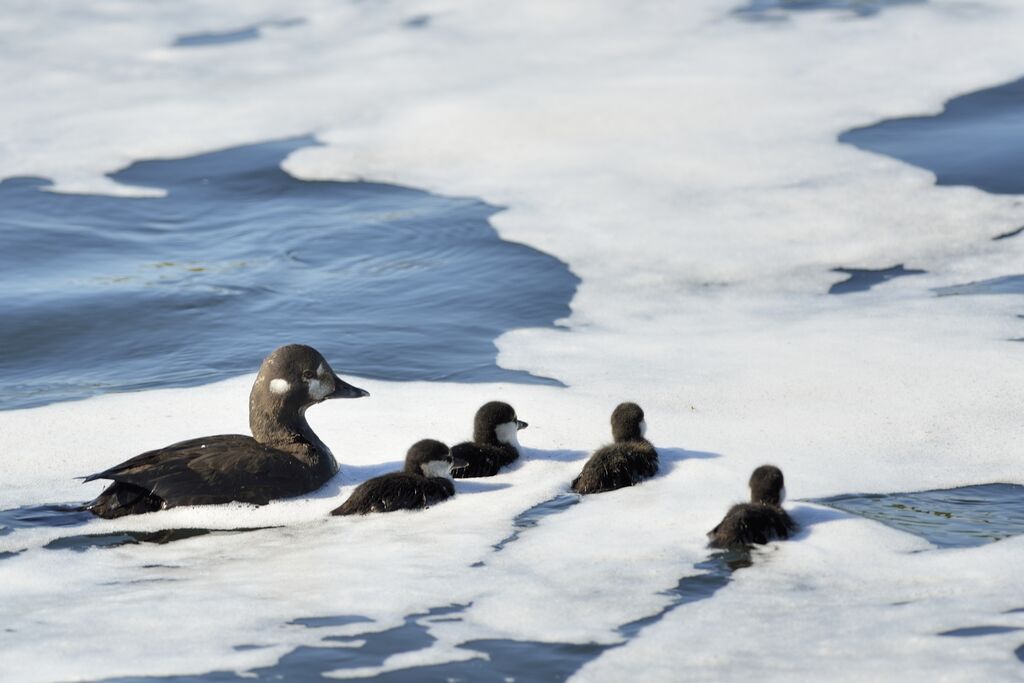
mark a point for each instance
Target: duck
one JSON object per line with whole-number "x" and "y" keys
{"x": 495, "y": 441}
{"x": 424, "y": 481}
{"x": 283, "y": 458}
{"x": 627, "y": 461}
{"x": 762, "y": 519}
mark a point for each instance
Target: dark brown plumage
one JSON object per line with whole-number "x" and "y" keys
{"x": 494, "y": 444}
{"x": 413, "y": 488}
{"x": 629, "y": 460}
{"x": 283, "y": 458}
{"x": 762, "y": 519}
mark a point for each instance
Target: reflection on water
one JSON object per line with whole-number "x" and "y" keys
{"x": 111, "y": 294}
{"x": 949, "y": 518}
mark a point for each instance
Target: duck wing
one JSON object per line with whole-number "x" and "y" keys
{"x": 213, "y": 470}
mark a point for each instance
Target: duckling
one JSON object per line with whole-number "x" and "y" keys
{"x": 629, "y": 460}
{"x": 495, "y": 441}
{"x": 425, "y": 480}
{"x": 762, "y": 519}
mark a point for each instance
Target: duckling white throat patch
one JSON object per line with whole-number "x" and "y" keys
{"x": 437, "y": 468}
{"x": 279, "y": 386}
{"x": 508, "y": 433}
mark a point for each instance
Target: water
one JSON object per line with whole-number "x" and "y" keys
{"x": 114, "y": 294}
{"x": 863, "y": 279}
{"x": 488, "y": 659}
{"x": 1007, "y": 284}
{"x": 977, "y": 140}
{"x": 65, "y": 516}
{"x": 238, "y": 35}
{"x": 975, "y": 631}
{"x": 950, "y": 518}
{"x": 42, "y": 516}
{"x": 774, "y": 10}
{"x": 533, "y": 516}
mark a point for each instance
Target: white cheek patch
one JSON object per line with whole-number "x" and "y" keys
{"x": 782, "y": 495}
{"x": 643, "y": 427}
{"x": 508, "y": 433}
{"x": 320, "y": 370}
{"x": 437, "y": 468}
{"x": 279, "y": 386}
{"x": 318, "y": 390}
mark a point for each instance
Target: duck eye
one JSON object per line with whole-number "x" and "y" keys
{"x": 307, "y": 375}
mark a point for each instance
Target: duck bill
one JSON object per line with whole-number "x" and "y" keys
{"x": 343, "y": 389}
{"x": 521, "y": 425}
{"x": 458, "y": 463}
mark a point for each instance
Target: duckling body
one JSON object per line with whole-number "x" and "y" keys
{"x": 424, "y": 481}
{"x": 627, "y": 461}
{"x": 760, "y": 521}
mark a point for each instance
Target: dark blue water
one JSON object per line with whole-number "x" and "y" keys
{"x": 237, "y": 35}
{"x": 1007, "y": 284}
{"x": 42, "y": 516}
{"x": 863, "y": 279}
{"x": 977, "y": 140}
{"x": 975, "y": 631}
{"x": 65, "y": 516}
{"x": 109, "y": 294}
{"x": 950, "y": 518}
{"x": 775, "y": 10}
{"x": 962, "y": 517}
{"x": 531, "y": 517}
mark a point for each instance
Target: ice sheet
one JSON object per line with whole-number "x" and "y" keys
{"x": 685, "y": 165}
